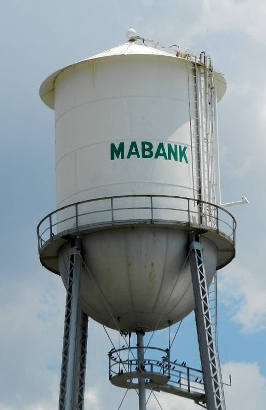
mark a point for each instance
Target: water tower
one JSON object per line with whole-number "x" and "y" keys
{"x": 138, "y": 233}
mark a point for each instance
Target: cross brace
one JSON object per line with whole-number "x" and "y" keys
{"x": 208, "y": 352}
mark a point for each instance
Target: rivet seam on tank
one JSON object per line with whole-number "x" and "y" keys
{"x": 146, "y": 149}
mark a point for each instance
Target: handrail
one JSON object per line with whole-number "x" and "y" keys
{"x": 209, "y": 213}
{"x": 179, "y": 375}
{"x": 122, "y": 349}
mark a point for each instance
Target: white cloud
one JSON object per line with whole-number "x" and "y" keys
{"x": 4, "y": 407}
{"x": 49, "y": 404}
{"x": 91, "y": 399}
{"x": 31, "y": 322}
{"x": 205, "y": 17}
{"x": 248, "y": 389}
{"x": 262, "y": 111}
{"x": 171, "y": 402}
{"x": 230, "y": 15}
{"x": 244, "y": 291}
{"x": 245, "y": 167}
{"x": 241, "y": 88}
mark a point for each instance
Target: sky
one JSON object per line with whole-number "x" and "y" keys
{"x": 36, "y": 39}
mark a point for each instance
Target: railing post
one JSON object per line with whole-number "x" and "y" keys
{"x": 112, "y": 209}
{"x": 217, "y": 219}
{"x": 151, "y": 209}
{"x": 39, "y": 239}
{"x": 50, "y": 226}
{"x": 188, "y": 380}
{"x": 76, "y": 215}
{"x": 188, "y": 209}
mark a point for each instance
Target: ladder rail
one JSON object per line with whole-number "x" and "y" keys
{"x": 203, "y": 135}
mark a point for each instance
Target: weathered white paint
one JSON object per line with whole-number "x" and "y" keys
{"x": 144, "y": 274}
{"x": 129, "y": 93}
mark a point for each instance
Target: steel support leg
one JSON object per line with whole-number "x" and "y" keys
{"x": 141, "y": 381}
{"x": 75, "y": 340}
{"x": 208, "y": 353}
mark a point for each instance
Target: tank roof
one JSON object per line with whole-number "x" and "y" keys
{"x": 133, "y": 47}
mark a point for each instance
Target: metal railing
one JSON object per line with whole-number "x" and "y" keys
{"x": 132, "y": 209}
{"x": 125, "y": 360}
{"x": 157, "y": 361}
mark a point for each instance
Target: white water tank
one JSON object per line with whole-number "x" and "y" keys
{"x": 129, "y": 94}
{"x": 130, "y": 121}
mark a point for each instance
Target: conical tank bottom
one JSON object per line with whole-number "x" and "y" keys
{"x": 138, "y": 277}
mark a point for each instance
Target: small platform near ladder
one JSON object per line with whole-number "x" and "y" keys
{"x": 160, "y": 374}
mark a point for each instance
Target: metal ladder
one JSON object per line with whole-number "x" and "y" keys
{"x": 195, "y": 133}
{"x": 202, "y": 110}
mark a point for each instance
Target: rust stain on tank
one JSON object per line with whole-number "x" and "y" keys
{"x": 152, "y": 272}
